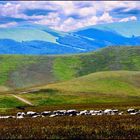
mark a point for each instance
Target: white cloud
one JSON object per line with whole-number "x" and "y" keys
{"x": 86, "y": 11}
{"x": 132, "y": 18}
{"x": 9, "y": 9}
{"x": 10, "y": 24}
{"x": 72, "y": 24}
{"x": 51, "y": 20}
{"x": 106, "y": 18}
{"x": 62, "y": 15}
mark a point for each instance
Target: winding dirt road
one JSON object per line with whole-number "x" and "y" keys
{"x": 22, "y": 99}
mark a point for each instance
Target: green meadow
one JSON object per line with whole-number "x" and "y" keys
{"x": 101, "y": 87}
{"x": 107, "y": 76}
{"x": 9, "y": 102}
{"x": 18, "y": 71}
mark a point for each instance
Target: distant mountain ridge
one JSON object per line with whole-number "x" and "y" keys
{"x": 40, "y": 40}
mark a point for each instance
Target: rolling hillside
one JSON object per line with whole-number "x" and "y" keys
{"x": 100, "y": 87}
{"x": 19, "y": 71}
{"x": 109, "y": 82}
{"x": 40, "y": 40}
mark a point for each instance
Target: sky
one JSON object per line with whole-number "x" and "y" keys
{"x": 67, "y": 15}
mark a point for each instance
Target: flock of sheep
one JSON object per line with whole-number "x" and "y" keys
{"x": 71, "y": 112}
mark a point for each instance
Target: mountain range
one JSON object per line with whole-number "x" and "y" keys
{"x": 40, "y": 40}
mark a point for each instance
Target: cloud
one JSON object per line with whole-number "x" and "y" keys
{"x": 106, "y": 17}
{"x": 132, "y": 18}
{"x": 11, "y": 10}
{"x": 10, "y": 24}
{"x": 52, "y": 19}
{"x": 68, "y": 15}
{"x": 72, "y": 24}
{"x": 86, "y": 11}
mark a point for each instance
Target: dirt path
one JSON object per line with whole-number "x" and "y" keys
{"x": 21, "y": 99}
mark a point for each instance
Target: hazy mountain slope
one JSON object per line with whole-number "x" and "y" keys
{"x": 33, "y": 39}
{"x": 34, "y": 47}
{"x": 37, "y": 39}
{"x": 127, "y": 29}
{"x": 108, "y": 37}
{"x": 20, "y": 34}
{"x": 23, "y": 71}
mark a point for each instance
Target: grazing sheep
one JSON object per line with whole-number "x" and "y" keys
{"x": 20, "y": 114}
{"x": 46, "y": 113}
{"x": 53, "y": 115}
{"x": 60, "y": 112}
{"x": 133, "y": 113}
{"x": 120, "y": 113}
{"x": 20, "y": 117}
{"x": 6, "y": 117}
{"x": 71, "y": 112}
{"x": 37, "y": 116}
{"x": 109, "y": 112}
{"x": 100, "y": 112}
{"x": 131, "y": 110}
{"x": 116, "y": 111}
{"x": 84, "y": 112}
{"x": 31, "y": 113}
{"x": 91, "y": 111}
{"x": 97, "y": 112}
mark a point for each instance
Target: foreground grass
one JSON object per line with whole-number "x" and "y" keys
{"x": 79, "y": 127}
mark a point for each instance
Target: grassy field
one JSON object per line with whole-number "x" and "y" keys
{"x": 97, "y": 88}
{"x": 18, "y": 71}
{"x": 9, "y": 63}
{"x": 108, "y": 82}
{"x": 79, "y": 127}
{"x": 109, "y": 87}
{"x": 101, "y": 90}
{"x": 108, "y": 78}
{"x": 8, "y": 102}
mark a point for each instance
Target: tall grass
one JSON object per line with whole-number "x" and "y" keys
{"x": 80, "y": 127}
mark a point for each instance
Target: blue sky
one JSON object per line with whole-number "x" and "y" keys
{"x": 67, "y": 15}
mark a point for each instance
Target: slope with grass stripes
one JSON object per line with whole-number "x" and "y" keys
{"x": 100, "y": 87}
{"x": 20, "y": 71}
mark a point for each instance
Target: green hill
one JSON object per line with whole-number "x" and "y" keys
{"x": 109, "y": 82}
{"x": 101, "y": 87}
{"x": 18, "y": 71}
